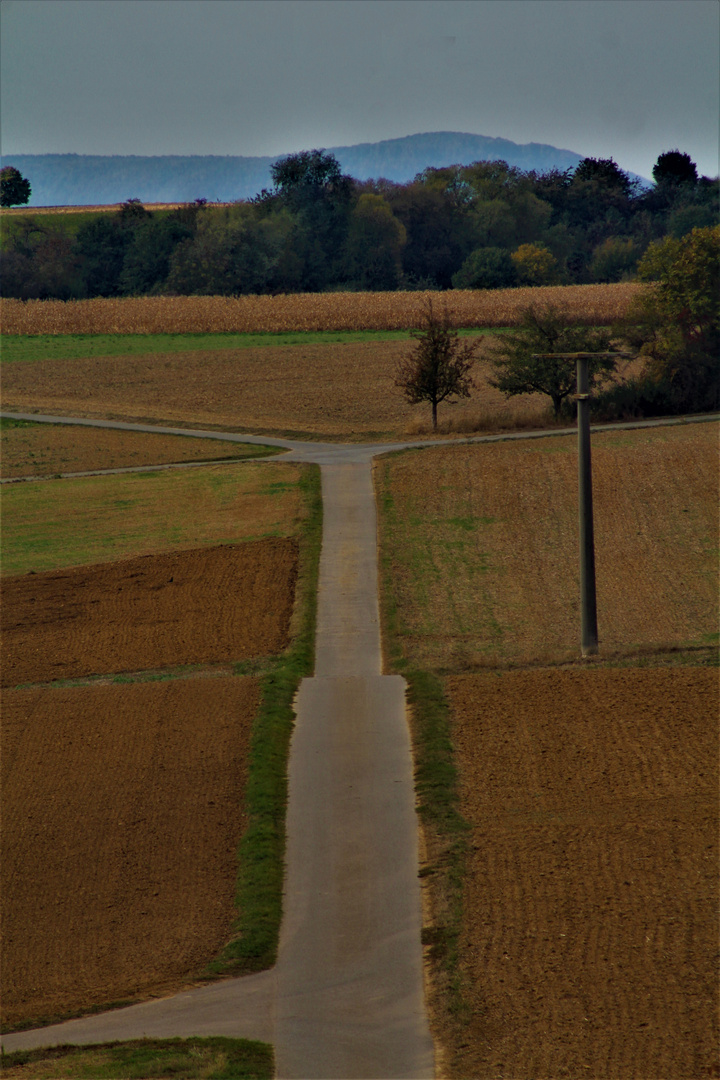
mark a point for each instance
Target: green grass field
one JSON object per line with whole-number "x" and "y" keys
{"x": 18, "y": 347}
{"x": 71, "y": 522}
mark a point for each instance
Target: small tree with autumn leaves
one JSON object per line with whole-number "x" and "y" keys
{"x": 439, "y": 366}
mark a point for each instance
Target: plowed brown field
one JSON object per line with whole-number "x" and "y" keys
{"x": 590, "y": 935}
{"x": 47, "y": 449}
{"x": 183, "y": 607}
{"x": 485, "y": 552}
{"x": 122, "y": 812}
{"x": 342, "y": 389}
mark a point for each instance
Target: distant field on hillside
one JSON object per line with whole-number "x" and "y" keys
{"x": 592, "y": 304}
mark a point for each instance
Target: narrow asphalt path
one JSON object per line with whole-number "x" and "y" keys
{"x": 345, "y": 999}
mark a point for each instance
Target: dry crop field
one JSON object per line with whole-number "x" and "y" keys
{"x": 588, "y": 937}
{"x": 484, "y": 541}
{"x": 592, "y": 304}
{"x": 342, "y": 391}
{"x": 589, "y": 942}
{"x": 48, "y": 449}
{"x": 126, "y": 727}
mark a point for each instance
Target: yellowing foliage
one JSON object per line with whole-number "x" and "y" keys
{"x": 590, "y": 304}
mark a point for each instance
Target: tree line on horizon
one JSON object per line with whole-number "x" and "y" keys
{"x": 482, "y": 226}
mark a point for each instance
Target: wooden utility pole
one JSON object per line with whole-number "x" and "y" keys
{"x": 588, "y": 600}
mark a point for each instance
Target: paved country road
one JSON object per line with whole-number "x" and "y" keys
{"x": 345, "y": 999}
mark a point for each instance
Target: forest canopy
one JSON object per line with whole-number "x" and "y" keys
{"x": 480, "y": 226}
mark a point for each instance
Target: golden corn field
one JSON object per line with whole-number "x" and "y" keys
{"x": 590, "y": 304}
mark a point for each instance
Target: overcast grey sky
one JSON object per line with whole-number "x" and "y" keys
{"x": 621, "y": 78}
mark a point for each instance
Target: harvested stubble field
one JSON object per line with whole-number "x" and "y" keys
{"x": 341, "y": 391}
{"x": 588, "y": 932}
{"x": 122, "y": 812}
{"x": 485, "y": 556}
{"x": 589, "y": 941}
{"x": 593, "y": 304}
{"x": 47, "y": 449}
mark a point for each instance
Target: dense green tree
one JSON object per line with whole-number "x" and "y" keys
{"x": 437, "y": 234}
{"x": 101, "y": 245}
{"x": 14, "y": 188}
{"x": 615, "y": 259}
{"x": 522, "y": 365}
{"x": 603, "y": 171}
{"x": 440, "y": 364}
{"x": 486, "y": 268}
{"x": 38, "y": 263}
{"x": 374, "y": 245}
{"x": 147, "y": 259}
{"x": 599, "y": 200}
{"x": 312, "y": 187}
{"x": 673, "y": 167}
{"x": 676, "y": 324}
{"x": 235, "y": 251}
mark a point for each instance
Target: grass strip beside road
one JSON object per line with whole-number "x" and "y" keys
{"x": 145, "y": 1059}
{"x": 261, "y": 855}
{"x": 444, "y": 829}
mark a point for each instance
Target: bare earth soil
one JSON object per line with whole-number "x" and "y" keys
{"x": 183, "y": 607}
{"x": 590, "y": 935}
{"x": 46, "y": 449}
{"x": 485, "y": 551}
{"x": 340, "y": 389}
{"x": 122, "y": 811}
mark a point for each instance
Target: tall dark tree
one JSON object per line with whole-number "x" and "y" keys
{"x": 673, "y": 167}
{"x": 312, "y": 187}
{"x": 37, "y": 261}
{"x": 438, "y": 239}
{"x": 14, "y": 188}
{"x": 603, "y": 171}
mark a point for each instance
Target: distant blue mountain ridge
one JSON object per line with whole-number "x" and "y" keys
{"x": 96, "y": 180}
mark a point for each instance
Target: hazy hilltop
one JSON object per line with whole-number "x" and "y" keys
{"x": 85, "y": 180}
